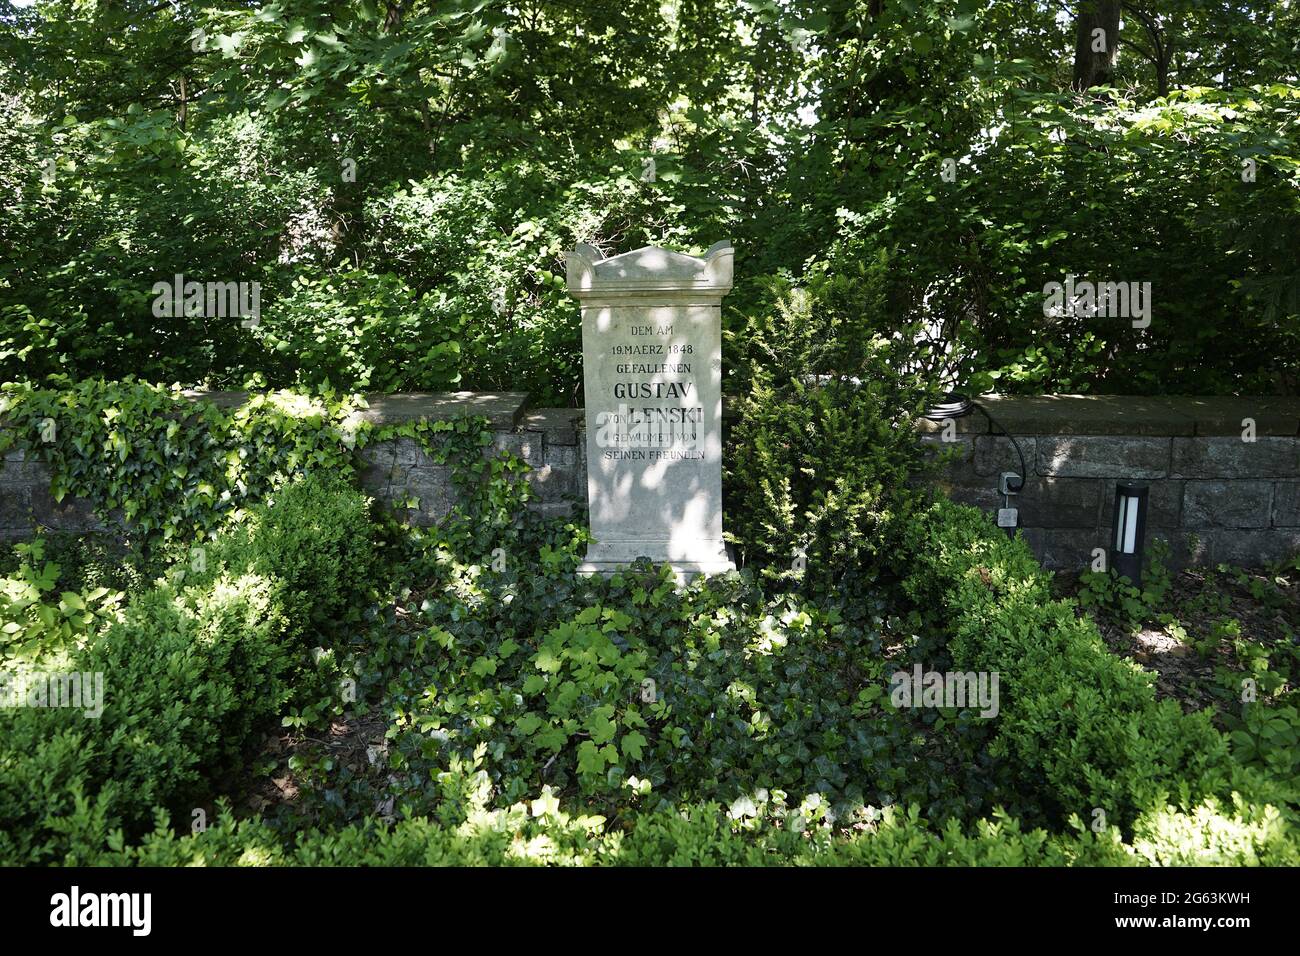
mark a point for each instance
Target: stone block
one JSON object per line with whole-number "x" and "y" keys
{"x": 70, "y": 514}
{"x": 554, "y": 509}
{"x": 502, "y": 409}
{"x": 527, "y": 446}
{"x": 410, "y": 453}
{"x": 995, "y": 454}
{"x": 1065, "y": 549}
{"x": 432, "y": 488}
{"x": 560, "y": 456}
{"x": 378, "y": 480}
{"x": 1182, "y": 549}
{"x": 1086, "y": 415}
{"x": 1060, "y": 503}
{"x": 1227, "y": 504}
{"x": 15, "y": 507}
{"x": 1164, "y": 505}
{"x": 984, "y": 497}
{"x": 1223, "y": 415}
{"x": 555, "y": 484}
{"x": 1234, "y": 458}
{"x": 972, "y": 424}
{"x": 559, "y": 425}
{"x": 1248, "y": 548}
{"x": 380, "y": 454}
{"x": 1286, "y": 504}
{"x": 24, "y": 472}
{"x": 1104, "y": 456}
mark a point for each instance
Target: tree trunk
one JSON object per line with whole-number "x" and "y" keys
{"x": 1094, "y": 53}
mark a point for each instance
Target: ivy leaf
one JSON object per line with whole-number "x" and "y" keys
{"x": 633, "y": 744}
{"x": 600, "y": 726}
{"x": 528, "y": 724}
{"x": 547, "y": 661}
{"x": 552, "y": 738}
{"x": 547, "y": 804}
{"x": 534, "y": 684}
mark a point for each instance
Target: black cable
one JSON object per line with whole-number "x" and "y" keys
{"x": 1024, "y": 473}
{"x": 958, "y": 406}
{"x": 952, "y": 406}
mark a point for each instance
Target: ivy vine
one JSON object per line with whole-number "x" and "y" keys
{"x": 165, "y": 469}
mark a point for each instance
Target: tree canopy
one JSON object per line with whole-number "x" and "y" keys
{"x": 403, "y": 178}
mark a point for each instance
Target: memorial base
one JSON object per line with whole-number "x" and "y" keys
{"x": 709, "y": 557}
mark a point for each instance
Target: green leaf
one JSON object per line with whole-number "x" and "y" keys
{"x": 633, "y": 744}
{"x": 591, "y": 759}
{"x": 71, "y": 601}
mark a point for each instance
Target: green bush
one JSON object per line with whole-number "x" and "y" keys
{"x": 190, "y": 671}
{"x": 1080, "y": 727}
{"x": 823, "y": 451}
{"x": 186, "y": 675}
{"x": 313, "y": 535}
{"x": 539, "y": 832}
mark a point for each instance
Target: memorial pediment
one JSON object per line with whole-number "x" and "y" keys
{"x": 649, "y": 268}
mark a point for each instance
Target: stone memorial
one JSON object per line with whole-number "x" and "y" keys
{"x": 652, "y": 370}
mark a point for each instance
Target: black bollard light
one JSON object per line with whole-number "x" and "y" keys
{"x": 1130, "y": 530}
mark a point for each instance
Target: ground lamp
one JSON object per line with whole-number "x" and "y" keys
{"x": 1130, "y": 530}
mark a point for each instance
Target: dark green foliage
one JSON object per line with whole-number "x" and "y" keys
{"x": 632, "y": 694}
{"x": 404, "y": 184}
{"x": 1081, "y": 726}
{"x": 189, "y": 672}
{"x": 312, "y": 535}
{"x": 168, "y": 470}
{"x": 359, "y": 331}
{"x": 1055, "y": 193}
{"x": 823, "y": 450}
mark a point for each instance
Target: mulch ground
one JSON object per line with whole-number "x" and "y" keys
{"x": 1191, "y": 642}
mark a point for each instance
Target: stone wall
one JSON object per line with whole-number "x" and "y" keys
{"x": 548, "y": 439}
{"x": 1214, "y": 496}
{"x": 398, "y": 473}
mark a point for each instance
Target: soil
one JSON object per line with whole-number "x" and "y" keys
{"x": 1189, "y": 641}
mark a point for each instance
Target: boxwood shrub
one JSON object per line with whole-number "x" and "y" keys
{"x": 540, "y": 833}
{"x": 1080, "y": 727}
{"x": 192, "y": 668}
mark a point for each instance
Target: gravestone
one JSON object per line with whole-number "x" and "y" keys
{"x": 652, "y": 370}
